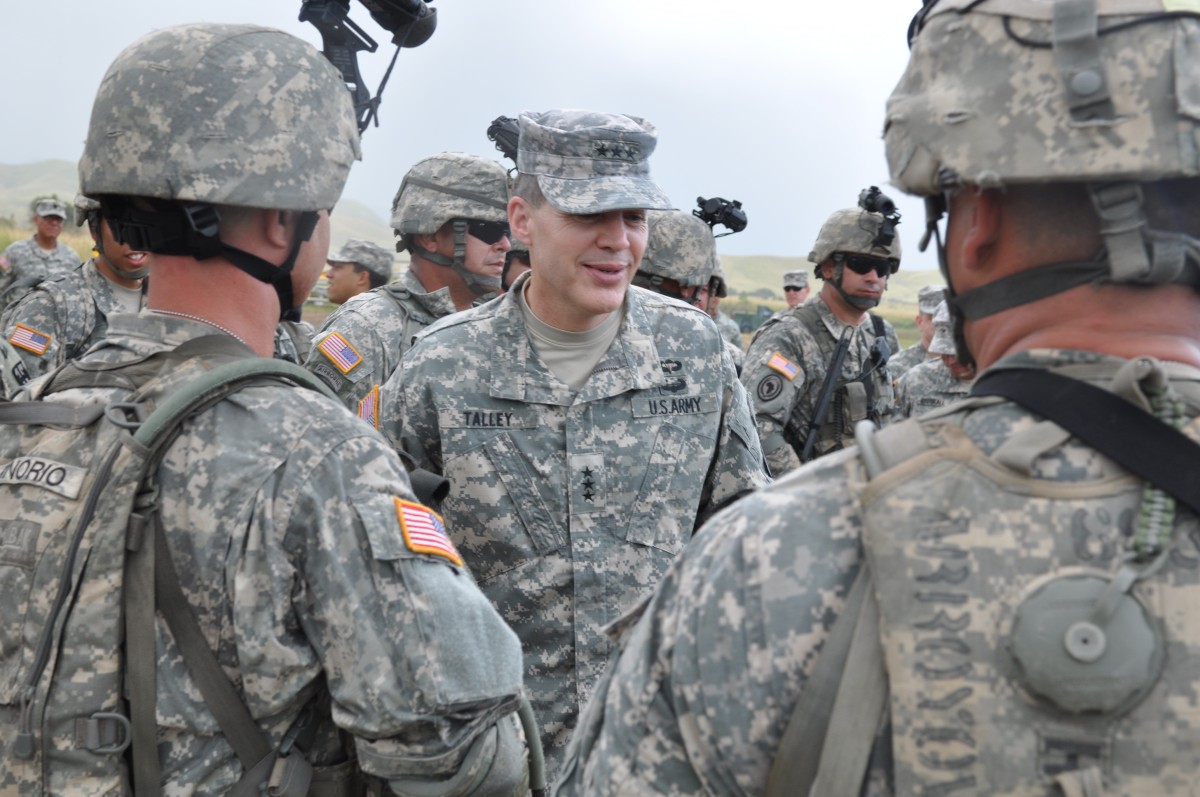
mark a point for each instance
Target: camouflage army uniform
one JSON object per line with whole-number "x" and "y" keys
{"x": 24, "y": 259}
{"x": 60, "y": 319}
{"x": 293, "y": 341}
{"x": 378, "y": 326}
{"x": 928, "y": 386}
{"x": 281, "y": 513}
{"x": 729, "y": 329}
{"x": 699, "y": 698}
{"x": 568, "y": 506}
{"x": 908, "y": 359}
{"x": 785, "y": 368}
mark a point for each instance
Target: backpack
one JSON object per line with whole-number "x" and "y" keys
{"x": 78, "y": 573}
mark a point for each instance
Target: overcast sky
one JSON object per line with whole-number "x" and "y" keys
{"x": 776, "y": 103}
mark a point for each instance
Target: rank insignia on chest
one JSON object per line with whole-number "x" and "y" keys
{"x": 340, "y": 352}
{"x": 30, "y": 339}
{"x": 424, "y": 531}
{"x": 783, "y": 365}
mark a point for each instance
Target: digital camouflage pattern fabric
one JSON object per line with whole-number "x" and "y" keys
{"x": 679, "y": 247}
{"x": 71, "y": 313}
{"x": 371, "y": 256}
{"x": 379, "y": 325}
{"x": 709, "y": 675}
{"x": 283, "y": 517}
{"x": 928, "y": 386}
{"x": 24, "y": 261}
{"x": 907, "y": 359}
{"x": 569, "y": 506}
{"x": 785, "y": 368}
{"x": 190, "y": 142}
{"x": 293, "y": 341}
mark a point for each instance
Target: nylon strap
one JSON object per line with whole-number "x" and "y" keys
{"x": 1131, "y": 437}
{"x": 1077, "y": 54}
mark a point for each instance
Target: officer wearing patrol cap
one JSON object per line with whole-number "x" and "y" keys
{"x": 359, "y": 266}
{"x": 586, "y": 426}
{"x": 939, "y": 380}
{"x": 39, "y": 257}
{"x": 928, "y": 299}
{"x": 60, "y": 319}
{"x": 998, "y": 596}
{"x": 855, "y": 253}
{"x": 291, "y": 525}
{"x": 450, "y": 213}
{"x": 795, "y": 287}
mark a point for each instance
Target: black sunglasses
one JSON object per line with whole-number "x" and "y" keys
{"x": 865, "y": 265}
{"x": 488, "y": 231}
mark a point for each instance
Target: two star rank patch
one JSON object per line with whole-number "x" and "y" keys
{"x": 424, "y": 531}
{"x": 30, "y": 339}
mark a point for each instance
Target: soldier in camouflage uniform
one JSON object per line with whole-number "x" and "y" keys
{"x": 359, "y": 266}
{"x": 39, "y": 257}
{"x": 586, "y": 426}
{"x": 450, "y": 213}
{"x": 1035, "y": 600}
{"x": 290, "y": 523}
{"x": 928, "y": 299}
{"x": 795, "y": 287}
{"x": 790, "y": 354}
{"x": 939, "y": 381}
{"x": 61, "y": 318}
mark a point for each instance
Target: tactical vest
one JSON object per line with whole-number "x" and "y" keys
{"x": 416, "y": 317}
{"x": 1000, "y": 682}
{"x": 73, "y": 493}
{"x": 861, "y": 397}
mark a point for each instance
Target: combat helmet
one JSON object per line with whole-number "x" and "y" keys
{"x": 680, "y": 253}
{"x": 868, "y": 230}
{"x": 192, "y": 117}
{"x": 1011, "y": 92}
{"x": 450, "y": 187}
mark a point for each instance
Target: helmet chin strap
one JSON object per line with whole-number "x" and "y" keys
{"x": 480, "y": 284}
{"x": 858, "y": 302}
{"x": 278, "y": 277}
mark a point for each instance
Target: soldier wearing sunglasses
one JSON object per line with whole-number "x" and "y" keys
{"x": 786, "y": 365}
{"x": 451, "y": 214}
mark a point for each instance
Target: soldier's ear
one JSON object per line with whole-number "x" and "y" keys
{"x": 978, "y": 228}
{"x": 519, "y": 213}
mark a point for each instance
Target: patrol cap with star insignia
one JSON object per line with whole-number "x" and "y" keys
{"x": 590, "y": 162}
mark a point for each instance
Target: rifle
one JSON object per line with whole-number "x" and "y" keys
{"x": 832, "y": 375}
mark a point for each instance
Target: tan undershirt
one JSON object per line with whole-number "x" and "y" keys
{"x": 570, "y": 356}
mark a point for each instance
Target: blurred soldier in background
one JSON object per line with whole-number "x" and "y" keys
{"x": 586, "y": 426}
{"x": 334, "y": 603}
{"x": 928, "y": 298}
{"x": 516, "y": 263}
{"x": 450, "y": 214}
{"x": 997, "y": 598}
{"x": 795, "y": 287}
{"x": 359, "y": 266}
{"x": 789, "y": 359}
{"x": 61, "y": 318}
{"x": 39, "y": 257}
{"x": 938, "y": 381}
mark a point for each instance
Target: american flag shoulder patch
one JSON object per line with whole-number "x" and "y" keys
{"x": 30, "y": 339}
{"x": 340, "y": 352}
{"x": 4, "y": 264}
{"x": 424, "y": 532}
{"x": 783, "y": 365}
{"x": 368, "y": 408}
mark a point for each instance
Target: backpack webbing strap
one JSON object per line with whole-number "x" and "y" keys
{"x": 808, "y": 739}
{"x": 1118, "y": 429}
{"x": 35, "y": 413}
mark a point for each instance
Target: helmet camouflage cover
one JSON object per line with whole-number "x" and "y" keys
{"x": 222, "y": 114}
{"x": 452, "y": 185}
{"x": 680, "y": 247}
{"x": 853, "y": 231}
{"x": 1002, "y": 92}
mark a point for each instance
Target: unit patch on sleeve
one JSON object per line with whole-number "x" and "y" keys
{"x": 340, "y": 352}
{"x": 783, "y": 365}
{"x": 424, "y": 532}
{"x": 30, "y": 339}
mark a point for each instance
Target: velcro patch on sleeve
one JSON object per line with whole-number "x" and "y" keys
{"x": 424, "y": 531}
{"x": 368, "y": 408}
{"x": 340, "y": 352}
{"x": 30, "y": 339}
{"x": 783, "y": 365}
